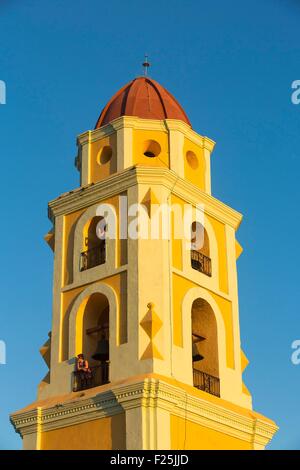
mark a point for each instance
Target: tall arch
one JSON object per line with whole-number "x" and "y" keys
{"x": 205, "y": 337}
{"x": 187, "y": 305}
{"x": 76, "y": 318}
{"x": 110, "y": 247}
{"x": 205, "y": 356}
{"x": 95, "y": 324}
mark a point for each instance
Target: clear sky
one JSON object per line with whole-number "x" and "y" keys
{"x": 231, "y": 65}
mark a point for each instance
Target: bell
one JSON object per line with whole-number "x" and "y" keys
{"x": 102, "y": 351}
{"x": 196, "y": 355}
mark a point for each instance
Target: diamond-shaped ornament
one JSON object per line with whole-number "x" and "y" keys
{"x": 151, "y": 323}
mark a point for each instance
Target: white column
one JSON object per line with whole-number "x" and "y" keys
{"x": 124, "y": 148}
{"x": 176, "y": 142}
{"x": 135, "y": 429}
{"x": 207, "y": 176}
{"x": 85, "y": 159}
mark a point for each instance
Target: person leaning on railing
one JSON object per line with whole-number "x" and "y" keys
{"x": 83, "y": 370}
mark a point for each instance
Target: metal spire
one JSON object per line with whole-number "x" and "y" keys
{"x": 146, "y": 65}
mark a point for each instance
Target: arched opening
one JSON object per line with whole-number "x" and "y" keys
{"x": 205, "y": 356}
{"x": 95, "y": 342}
{"x": 94, "y": 252}
{"x": 200, "y": 259}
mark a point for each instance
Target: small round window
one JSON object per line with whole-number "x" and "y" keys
{"x": 151, "y": 148}
{"x": 104, "y": 155}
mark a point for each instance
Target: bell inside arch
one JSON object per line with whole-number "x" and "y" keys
{"x": 102, "y": 351}
{"x": 196, "y": 355}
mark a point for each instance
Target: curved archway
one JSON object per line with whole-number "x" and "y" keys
{"x": 205, "y": 355}
{"x": 95, "y": 325}
{"x": 92, "y": 367}
{"x": 79, "y": 239}
{"x": 77, "y": 320}
{"x": 219, "y": 335}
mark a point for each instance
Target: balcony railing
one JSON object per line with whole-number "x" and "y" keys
{"x": 201, "y": 262}
{"x": 99, "y": 376}
{"x": 93, "y": 257}
{"x": 207, "y": 383}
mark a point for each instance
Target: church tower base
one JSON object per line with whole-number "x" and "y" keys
{"x": 146, "y": 412}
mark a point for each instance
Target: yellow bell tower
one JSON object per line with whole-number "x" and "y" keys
{"x": 145, "y": 287}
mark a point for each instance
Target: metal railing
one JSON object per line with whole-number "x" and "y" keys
{"x": 207, "y": 383}
{"x": 99, "y": 375}
{"x": 201, "y": 262}
{"x": 92, "y": 257}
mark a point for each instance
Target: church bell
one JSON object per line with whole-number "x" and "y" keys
{"x": 196, "y": 355}
{"x": 102, "y": 351}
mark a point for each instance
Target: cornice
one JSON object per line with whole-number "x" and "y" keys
{"x": 29, "y": 421}
{"x": 86, "y": 195}
{"x": 134, "y": 122}
{"x": 119, "y": 182}
{"x": 149, "y": 392}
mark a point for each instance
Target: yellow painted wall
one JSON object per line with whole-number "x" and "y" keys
{"x": 101, "y": 434}
{"x": 99, "y": 167}
{"x": 139, "y": 139}
{"x": 119, "y": 284}
{"x": 194, "y": 169}
{"x": 186, "y": 435}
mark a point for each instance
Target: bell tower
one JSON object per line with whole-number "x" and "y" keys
{"x": 145, "y": 287}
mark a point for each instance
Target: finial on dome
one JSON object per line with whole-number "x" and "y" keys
{"x": 146, "y": 65}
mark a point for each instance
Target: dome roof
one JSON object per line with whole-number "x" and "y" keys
{"x": 144, "y": 98}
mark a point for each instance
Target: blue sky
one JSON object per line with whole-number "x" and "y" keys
{"x": 231, "y": 65}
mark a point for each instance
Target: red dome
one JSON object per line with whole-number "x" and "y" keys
{"x": 144, "y": 98}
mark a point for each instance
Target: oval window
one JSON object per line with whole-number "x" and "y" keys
{"x": 192, "y": 160}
